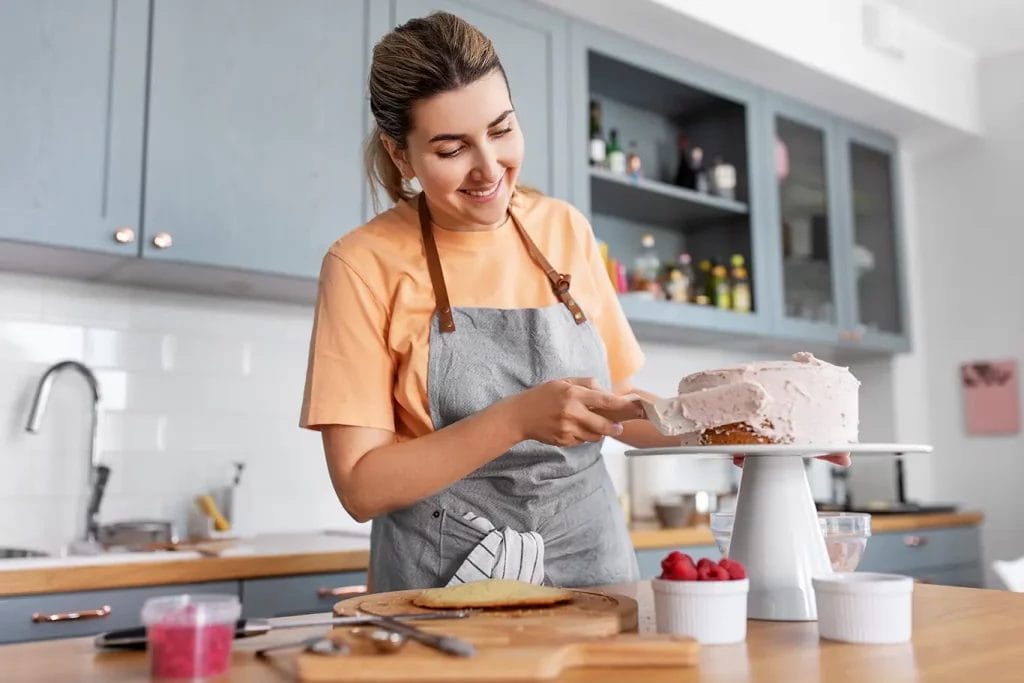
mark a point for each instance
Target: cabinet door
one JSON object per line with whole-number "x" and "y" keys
{"x": 255, "y": 128}
{"x": 875, "y": 285}
{"x": 801, "y": 203}
{"x": 98, "y": 611}
{"x": 531, "y": 45}
{"x": 288, "y": 595}
{"x": 72, "y": 78}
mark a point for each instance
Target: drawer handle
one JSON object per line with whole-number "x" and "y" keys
{"x": 925, "y": 581}
{"x": 915, "y": 541}
{"x": 100, "y": 613}
{"x": 339, "y": 592}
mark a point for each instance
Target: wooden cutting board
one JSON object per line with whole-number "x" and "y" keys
{"x": 594, "y": 629}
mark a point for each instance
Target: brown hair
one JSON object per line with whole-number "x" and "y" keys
{"x": 419, "y": 59}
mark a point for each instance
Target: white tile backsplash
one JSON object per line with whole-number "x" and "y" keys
{"x": 190, "y": 384}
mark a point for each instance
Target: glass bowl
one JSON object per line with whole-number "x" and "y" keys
{"x": 846, "y": 535}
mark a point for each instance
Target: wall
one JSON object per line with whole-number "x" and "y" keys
{"x": 190, "y": 384}
{"x": 970, "y": 241}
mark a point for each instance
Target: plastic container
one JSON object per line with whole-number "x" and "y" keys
{"x": 190, "y": 636}
{"x": 846, "y": 536}
{"x": 712, "y": 612}
{"x": 864, "y": 607}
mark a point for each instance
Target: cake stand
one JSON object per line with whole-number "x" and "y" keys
{"x": 775, "y": 533}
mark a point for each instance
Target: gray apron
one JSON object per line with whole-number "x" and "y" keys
{"x": 477, "y": 357}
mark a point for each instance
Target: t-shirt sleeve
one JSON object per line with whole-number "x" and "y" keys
{"x": 624, "y": 354}
{"x": 350, "y": 376}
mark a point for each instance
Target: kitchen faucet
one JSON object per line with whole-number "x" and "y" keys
{"x": 97, "y": 475}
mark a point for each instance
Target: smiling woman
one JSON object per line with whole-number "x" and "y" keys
{"x": 469, "y": 354}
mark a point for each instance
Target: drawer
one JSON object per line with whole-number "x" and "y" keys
{"x": 967, "y": 575}
{"x": 650, "y": 559}
{"x": 914, "y": 550}
{"x": 288, "y": 595}
{"x": 17, "y": 625}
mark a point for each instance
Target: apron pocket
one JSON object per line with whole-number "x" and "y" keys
{"x": 457, "y": 537}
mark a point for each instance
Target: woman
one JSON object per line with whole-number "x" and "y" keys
{"x": 469, "y": 353}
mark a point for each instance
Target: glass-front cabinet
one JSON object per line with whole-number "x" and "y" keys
{"x": 877, "y": 293}
{"x": 803, "y": 207}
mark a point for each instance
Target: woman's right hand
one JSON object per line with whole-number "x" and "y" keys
{"x": 568, "y": 412}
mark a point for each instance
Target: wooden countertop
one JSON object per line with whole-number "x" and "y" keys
{"x": 960, "y": 634}
{"x": 284, "y": 555}
{"x": 650, "y": 535}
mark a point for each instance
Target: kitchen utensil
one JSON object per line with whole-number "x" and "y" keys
{"x": 318, "y": 645}
{"x": 864, "y": 607}
{"x": 135, "y": 638}
{"x": 776, "y": 534}
{"x": 383, "y": 640}
{"x": 448, "y": 644}
{"x": 137, "y": 533}
{"x": 675, "y": 511}
{"x": 520, "y": 644}
{"x": 846, "y": 536}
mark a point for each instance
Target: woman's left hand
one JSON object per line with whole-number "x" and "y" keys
{"x": 841, "y": 459}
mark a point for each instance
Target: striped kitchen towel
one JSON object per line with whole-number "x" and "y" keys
{"x": 502, "y": 554}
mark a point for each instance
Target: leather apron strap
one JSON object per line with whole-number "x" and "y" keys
{"x": 559, "y": 281}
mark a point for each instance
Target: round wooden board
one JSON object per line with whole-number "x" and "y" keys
{"x": 588, "y": 614}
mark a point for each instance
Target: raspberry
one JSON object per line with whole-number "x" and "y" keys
{"x": 705, "y": 562}
{"x": 735, "y": 569}
{"x": 704, "y": 573}
{"x": 718, "y": 573}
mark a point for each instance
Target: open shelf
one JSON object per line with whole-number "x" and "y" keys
{"x": 652, "y": 201}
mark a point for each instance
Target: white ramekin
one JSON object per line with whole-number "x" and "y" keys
{"x": 863, "y": 607}
{"x": 712, "y": 612}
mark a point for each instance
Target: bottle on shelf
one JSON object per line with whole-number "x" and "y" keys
{"x": 723, "y": 179}
{"x": 700, "y": 173}
{"x": 598, "y": 147}
{"x": 707, "y": 285}
{"x": 685, "y": 177}
{"x": 723, "y": 290}
{"x": 633, "y": 163}
{"x": 616, "y": 157}
{"x": 646, "y": 267}
{"x": 680, "y": 285}
{"x": 740, "y": 281}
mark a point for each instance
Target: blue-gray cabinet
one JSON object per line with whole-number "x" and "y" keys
{"x": 255, "y": 125}
{"x": 283, "y": 596}
{"x": 531, "y": 44}
{"x": 950, "y": 556}
{"x": 73, "y": 84}
{"x": 85, "y": 613}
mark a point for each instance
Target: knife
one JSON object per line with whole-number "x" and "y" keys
{"x": 448, "y": 644}
{"x": 135, "y": 638}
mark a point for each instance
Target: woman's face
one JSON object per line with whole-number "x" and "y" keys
{"x": 465, "y": 149}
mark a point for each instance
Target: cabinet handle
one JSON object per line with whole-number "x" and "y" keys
{"x": 100, "y": 613}
{"x": 915, "y": 541}
{"x": 124, "y": 236}
{"x": 341, "y": 591}
{"x": 926, "y": 581}
{"x": 163, "y": 240}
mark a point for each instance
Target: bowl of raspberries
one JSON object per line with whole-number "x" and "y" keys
{"x": 705, "y": 600}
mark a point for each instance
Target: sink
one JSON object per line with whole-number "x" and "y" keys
{"x": 20, "y": 553}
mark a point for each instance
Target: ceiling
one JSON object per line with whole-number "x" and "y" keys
{"x": 985, "y": 27}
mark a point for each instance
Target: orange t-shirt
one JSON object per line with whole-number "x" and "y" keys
{"x": 369, "y": 347}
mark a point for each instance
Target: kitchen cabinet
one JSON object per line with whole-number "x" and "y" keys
{"x": 531, "y": 43}
{"x": 255, "y": 129}
{"x": 946, "y": 555}
{"x": 288, "y": 595}
{"x": 73, "y": 78}
{"x": 650, "y": 559}
{"x": 815, "y": 215}
{"x": 98, "y": 611}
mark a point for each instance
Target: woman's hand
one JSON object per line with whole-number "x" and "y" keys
{"x": 841, "y": 459}
{"x": 568, "y": 412}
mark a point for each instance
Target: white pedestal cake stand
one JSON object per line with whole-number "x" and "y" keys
{"x": 775, "y": 531}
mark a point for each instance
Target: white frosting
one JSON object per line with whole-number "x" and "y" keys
{"x": 805, "y": 400}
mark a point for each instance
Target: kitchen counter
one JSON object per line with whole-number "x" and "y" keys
{"x": 959, "y": 634}
{"x": 308, "y": 553}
